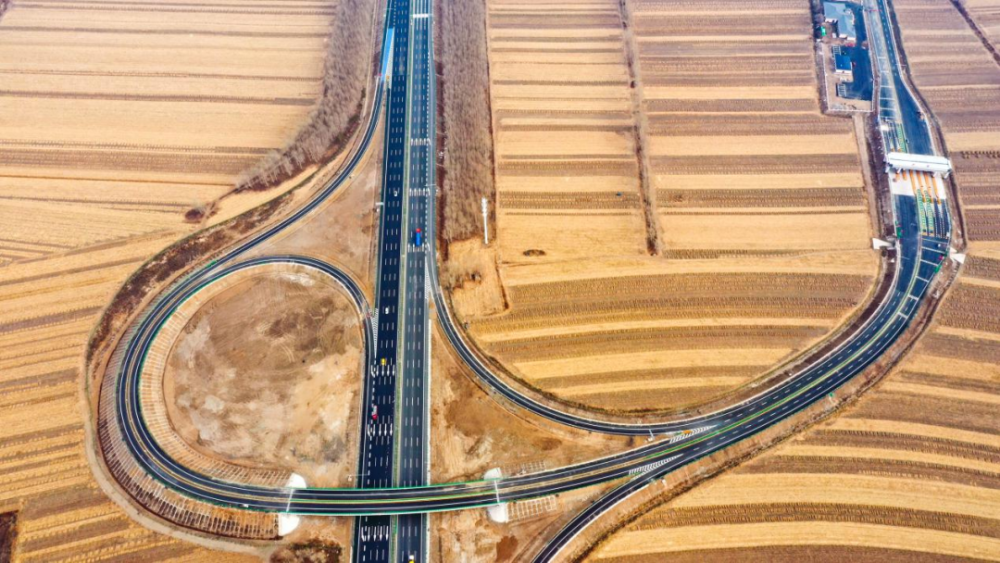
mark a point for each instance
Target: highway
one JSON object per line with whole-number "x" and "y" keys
{"x": 390, "y": 488}
{"x": 372, "y": 542}
{"x": 903, "y": 128}
{"x": 394, "y": 446}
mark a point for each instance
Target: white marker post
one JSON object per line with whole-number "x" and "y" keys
{"x": 486, "y": 225}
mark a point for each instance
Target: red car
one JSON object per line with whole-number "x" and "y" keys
{"x": 374, "y": 412}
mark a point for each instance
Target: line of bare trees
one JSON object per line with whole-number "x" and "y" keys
{"x": 338, "y": 111}
{"x": 464, "y": 98}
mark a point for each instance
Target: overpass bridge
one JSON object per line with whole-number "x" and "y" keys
{"x": 903, "y": 162}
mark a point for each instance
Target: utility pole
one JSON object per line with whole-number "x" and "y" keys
{"x": 486, "y": 224}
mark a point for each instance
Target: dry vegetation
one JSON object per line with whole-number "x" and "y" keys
{"x": 472, "y": 434}
{"x": 118, "y": 118}
{"x": 341, "y": 229}
{"x": 466, "y": 169}
{"x": 8, "y": 534}
{"x": 338, "y": 112}
{"x": 308, "y": 552}
{"x": 763, "y": 228}
{"x": 910, "y": 473}
{"x": 985, "y": 19}
{"x": 469, "y": 535}
{"x": 49, "y": 307}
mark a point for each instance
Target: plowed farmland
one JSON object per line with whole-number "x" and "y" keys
{"x": 121, "y": 117}
{"x": 675, "y": 216}
{"x": 910, "y": 473}
{"x": 118, "y": 118}
{"x": 986, "y": 16}
{"x": 47, "y": 310}
{"x": 965, "y": 98}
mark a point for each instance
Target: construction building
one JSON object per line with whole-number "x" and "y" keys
{"x": 842, "y": 65}
{"x": 839, "y": 14}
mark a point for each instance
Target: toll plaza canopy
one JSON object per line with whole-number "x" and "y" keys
{"x": 920, "y": 162}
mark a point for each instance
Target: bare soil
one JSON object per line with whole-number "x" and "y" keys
{"x": 474, "y": 433}
{"x": 471, "y": 274}
{"x": 267, "y": 375}
{"x": 312, "y": 552}
{"x": 342, "y": 230}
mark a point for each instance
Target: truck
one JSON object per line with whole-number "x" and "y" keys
{"x": 417, "y": 236}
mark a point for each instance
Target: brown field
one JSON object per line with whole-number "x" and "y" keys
{"x": 912, "y": 471}
{"x": 473, "y": 433}
{"x": 909, "y": 473}
{"x": 465, "y": 168}
{"x": 960, "y": 79}
{"x": 986, "y": 14}
{"x": 119, "y": 117}
{"x": 669, "y": 212}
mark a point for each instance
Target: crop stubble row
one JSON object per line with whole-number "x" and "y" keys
{"x": 705, "y": 60}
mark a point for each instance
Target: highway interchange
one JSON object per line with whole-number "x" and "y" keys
{"x": 393, "y": 463}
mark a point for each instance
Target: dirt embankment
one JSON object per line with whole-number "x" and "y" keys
{"x": 167, "y": 264}
{"x": 267, "y": 374}
{"x": 341, "y": 231}
{"x": 469, "y": 535}
{"x": 472, "y": 280}
{"x": 313, "y": 551}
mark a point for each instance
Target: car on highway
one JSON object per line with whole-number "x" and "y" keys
{"x": 374, "y": 412}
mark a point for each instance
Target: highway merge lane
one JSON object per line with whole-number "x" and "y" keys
{"x": 392, "y": 471}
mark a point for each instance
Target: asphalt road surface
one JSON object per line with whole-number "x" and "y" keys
{"x": 413, "y": 428}
{"x": 373, "y": 535}
{"x": 899, "y": 112}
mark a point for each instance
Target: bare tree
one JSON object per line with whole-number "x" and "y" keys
{"x": 465, "y": 110}
{"x": 338, "y": 111}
